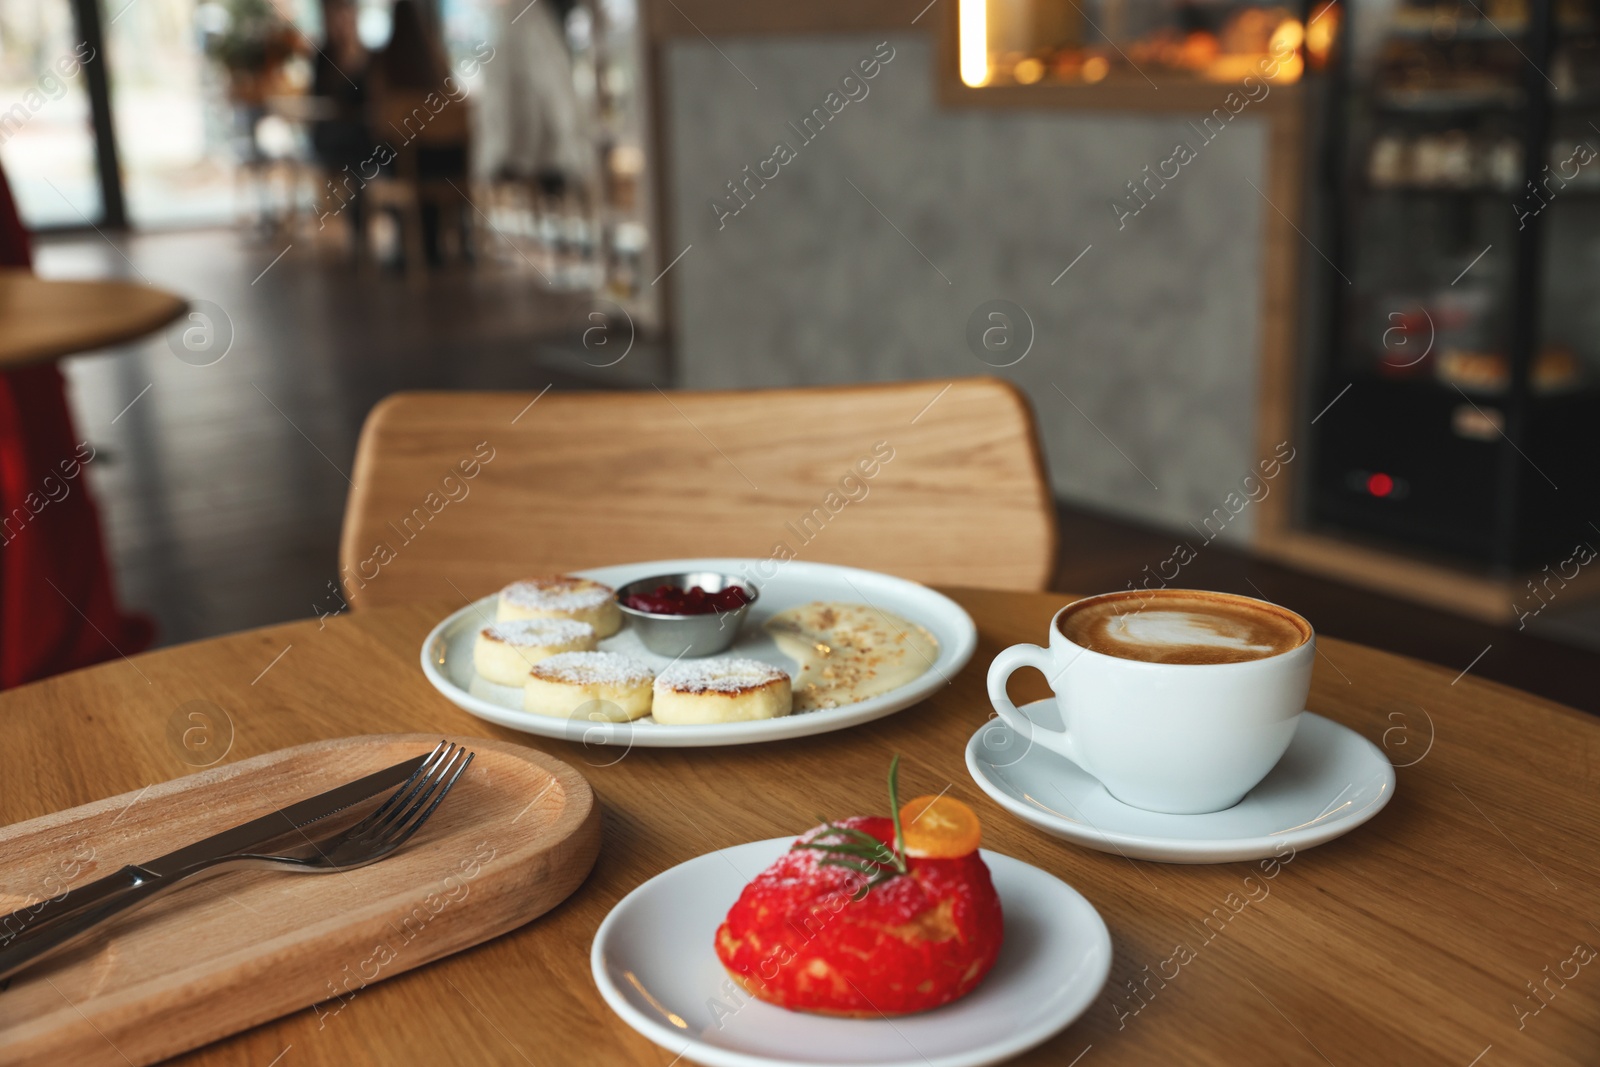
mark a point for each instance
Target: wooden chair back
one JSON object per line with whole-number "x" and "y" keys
{"x": 455, "y": 494}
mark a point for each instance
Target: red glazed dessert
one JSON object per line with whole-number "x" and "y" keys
{"x": 826, "y": 929}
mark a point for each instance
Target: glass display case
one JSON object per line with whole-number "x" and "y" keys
{"x": 1140, "y": 42}
{"x": 1457, "y": 392}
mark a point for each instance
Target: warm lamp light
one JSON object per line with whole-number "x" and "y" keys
{"x": 1289, "y": 71}
{"x": 974, "y": 18}
{"x": 1320, "y": 33}
{"x": 1286, "y": 37}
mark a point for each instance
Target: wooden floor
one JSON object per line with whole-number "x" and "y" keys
{"x": 223, "y": 486}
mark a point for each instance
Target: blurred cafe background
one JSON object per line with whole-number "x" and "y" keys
{"x": 1301, "y": 293}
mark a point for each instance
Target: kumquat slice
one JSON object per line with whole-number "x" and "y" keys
{"x": 939, "y": 828}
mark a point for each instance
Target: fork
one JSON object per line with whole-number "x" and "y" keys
{"x": 383, "y": 831}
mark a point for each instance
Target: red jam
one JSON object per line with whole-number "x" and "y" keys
{"x": 672, "y": 600}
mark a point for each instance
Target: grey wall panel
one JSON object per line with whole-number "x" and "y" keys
{"x": 1153, "y": 334}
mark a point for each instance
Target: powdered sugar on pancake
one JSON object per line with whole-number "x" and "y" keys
{"x": 731, "y": 675}
{"x": 539, "y": 633}
{"x": 560, "y": 593}
{"x": 593, "y": 668}
{"x": 1181, "y": 629}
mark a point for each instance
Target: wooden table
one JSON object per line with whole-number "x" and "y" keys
{"x": 1423, "y": 937}
{"x": 43, "y": 320}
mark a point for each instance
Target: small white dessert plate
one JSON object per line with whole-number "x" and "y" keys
{"x": 1330, "y": 781}
{"x": 447, "y": 654}
{"x": 655, "y": 965}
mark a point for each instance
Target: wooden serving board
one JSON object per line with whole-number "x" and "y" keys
{"x": 517, "y": 834}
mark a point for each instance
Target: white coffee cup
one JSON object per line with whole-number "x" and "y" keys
{"x": 1181, "y": 738}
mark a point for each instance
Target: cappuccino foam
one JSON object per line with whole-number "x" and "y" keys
{"x": 1180, "y": 626}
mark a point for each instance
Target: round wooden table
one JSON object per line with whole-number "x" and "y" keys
{"x": 42, "y": 320}
{"x": 1455, "y": 928}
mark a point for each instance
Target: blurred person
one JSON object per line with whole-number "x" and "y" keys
{"x": 413, "y": 59}
{"x": 529, "y": 124}
{"x": 410, "y": 68}
{"x": 341, "y": 139}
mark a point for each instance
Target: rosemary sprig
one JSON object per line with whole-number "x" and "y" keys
{"x": 859, "y": 851}
{"x": 894, "y": 810}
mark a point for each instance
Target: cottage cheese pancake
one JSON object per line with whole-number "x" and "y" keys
{"x": 504, "y": 651}
{"x": 562, "y": 596}
{"x": 1183, "y": 626}
{"x": 720, "y": 690}
{"x": 848, "y": 652}
{"x": 589, "y": 685}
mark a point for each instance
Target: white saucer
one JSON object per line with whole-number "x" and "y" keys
{"x": 1330, "y": 781}
{"x": 655, "y": 965}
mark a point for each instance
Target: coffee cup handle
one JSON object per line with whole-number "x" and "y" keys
{"x": 1000, "y": 671}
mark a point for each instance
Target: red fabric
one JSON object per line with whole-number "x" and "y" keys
{"x": 58, "y": 609}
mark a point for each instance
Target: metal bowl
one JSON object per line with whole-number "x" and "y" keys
{"x": 687, "y": 635}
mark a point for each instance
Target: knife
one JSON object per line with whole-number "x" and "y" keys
{"x": 250, "y": 836}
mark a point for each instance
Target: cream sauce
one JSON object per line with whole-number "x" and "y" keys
{"x": 848, "y": 652}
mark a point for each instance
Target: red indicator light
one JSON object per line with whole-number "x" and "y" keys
{"x": 1380, "y": 485}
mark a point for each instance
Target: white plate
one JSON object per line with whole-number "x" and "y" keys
{"x": 1330, "y": 781}
{"x": 447, "y": 654}
{"x": 654, "y": 963}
